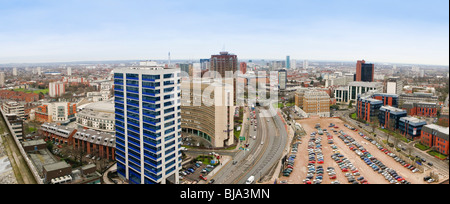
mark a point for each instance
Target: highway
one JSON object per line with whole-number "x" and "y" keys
{"x": 264, "y": 152}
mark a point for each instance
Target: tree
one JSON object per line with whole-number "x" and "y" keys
{"x": 350, "y": 104}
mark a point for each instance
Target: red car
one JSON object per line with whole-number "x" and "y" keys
{"x": 336, "y": 127}
{"x": 344, "y": 170}
{"x": 333, "y": 177}
{"x": 203, "y": 178}
{"x": 320, "y": 162}
{"x": 355, "y": 171}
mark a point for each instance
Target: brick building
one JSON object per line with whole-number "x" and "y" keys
{"x": 436, "y": 136}
{"x": 389, "y": 117}
{"x": 18, "y": 96}
{"x": 367, "y": 108}
{"x": 423, "y": 109}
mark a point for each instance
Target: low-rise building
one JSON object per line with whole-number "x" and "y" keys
{"x": 99, "y": 116}
{"x": 422, "y": 109}
{"x": 368, "y": 108}
{"x": 411, "y": 127}
{"x": 95, "y": 143}
{"x": 389, "y": 117}
{"x": 436, "y": 136}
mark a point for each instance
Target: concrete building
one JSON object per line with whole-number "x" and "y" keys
{"x": 99, "y": 116}
{"x": 2, "y": 79}
{"x": 56, "y": 112}
{"x": 12, "y": 107}
{"x": 56, "y": 89}
{"x": 417, "y": 97}
{"x": 316, "y": 103}
{"x": 209, "y": 118}
{"x": 349, "y": 93}
{"x": 16, "y": 125}
{"x": 394, "y": 85}
{"x": 148, "y": 129}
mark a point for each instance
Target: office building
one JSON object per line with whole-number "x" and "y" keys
{"x": 389, "y": 117}
{"x": 394, "y": 85}
{"x": 436, "y": 137}
{"x": 288, "y": 62}
{"x": 205, "y": 64}
{"x": 411, "y": 127}
{"x": 422, "y": 109}
{"x": 61, "y": 113}
{"x": 316, "y": 103}
{"x": 417, "y": 97}
{"x": 282, "y": 79}
{"x": 364, "y": 72}
{"x": 212, "y": 120}
{"x": 2, "y": 79}
{"x": 368, "y": 108}
{"x": 56, "y": 89}
{"x": 223, "y": 63}
{"x": 345, "y": 94}
{"x": 388, "y": 99}
{"x": 12, "y": 107}
{"x": 99, "y": 116}
{"x": 148, "y": 116}
{"x": 243, "y": 67}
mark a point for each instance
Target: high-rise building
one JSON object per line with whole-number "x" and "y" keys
{"x": 222, "y": 63}
{"x": 15, "y": 71}
{"x": 293, "y": 64}
{"x": 305, "y": 64}
{"x": 205, "y": 64}
{"x": 282, "y": 79}
{"x": 288, "y": 62}
{"x": 365, "y": 72}
{"x": 394, "y": 85}
{"x": 2, "y": 79}
{"x": 56, "y": 89}
{"x": 243, "y": 67}
{"x": 69, "y": 71}
{"x": 148, "y": 117}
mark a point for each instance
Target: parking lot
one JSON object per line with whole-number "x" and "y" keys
{"x": 194, "y": 173}
{"x": 342, "y": 155}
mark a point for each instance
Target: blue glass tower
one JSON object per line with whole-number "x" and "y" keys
{"x": 148, "y": 132}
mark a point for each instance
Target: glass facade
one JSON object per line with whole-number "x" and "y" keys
{"x": 147, "y": 124}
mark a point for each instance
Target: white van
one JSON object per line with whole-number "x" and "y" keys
{"x": 250, "y": 180}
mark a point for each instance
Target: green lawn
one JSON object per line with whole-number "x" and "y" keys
{"x": 421, "y": 146}
{"x": 353, "y": 116}
{"x": 396, "y": 135}
{"x": 437, "y": 154}
{"x": 44, "y": 91}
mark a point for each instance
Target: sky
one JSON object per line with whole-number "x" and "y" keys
{"x": 396, "y": 31}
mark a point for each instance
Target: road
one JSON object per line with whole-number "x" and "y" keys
{"x": 437, "y": 163}
{"x": 263, "y": 153}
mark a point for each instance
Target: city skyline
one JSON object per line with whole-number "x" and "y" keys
{"x": 377, "y": 31}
